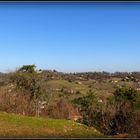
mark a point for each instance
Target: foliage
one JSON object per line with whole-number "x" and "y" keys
{"x": 29, "y": 82}
{"x": 113, "y": 116}
{"x": 128, "y": 94}
{"x": 16, "y": 102}
{"x": 125, "y": 99}
{"x": 27, "y": 68}
{"x": 62, "y": 109}
{"x": 89, "y": 108}
{"x": 109, "y": 113}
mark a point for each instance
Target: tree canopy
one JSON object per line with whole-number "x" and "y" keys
{"x": 27, "y": 68}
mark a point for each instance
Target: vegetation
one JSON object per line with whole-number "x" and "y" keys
{"x": 109, "y": 102}
{"x": 114, "y": 116}
{"x": 34, "y": 127}
{"x": 27, "y": 68}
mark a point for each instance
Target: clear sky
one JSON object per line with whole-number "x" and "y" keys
{"x": 70, "y": 37}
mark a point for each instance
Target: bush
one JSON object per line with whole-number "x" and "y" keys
{"x": 16, "y": 102}
{"x": 62, "y": 109}
{"x": 78, "y": 92}
{"x": 28, "y": 82}
{"x": 117, "y": 114}
{"x": 126, "y": 94}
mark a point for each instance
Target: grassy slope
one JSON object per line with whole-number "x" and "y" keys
{"x": 22, "y": 126}
{"x": 59, "y": 84}
{"x": 101, "y": 88}
{"x": 63, "y": 83}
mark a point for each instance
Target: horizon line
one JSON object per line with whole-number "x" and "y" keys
{"x": 88, "y": 71}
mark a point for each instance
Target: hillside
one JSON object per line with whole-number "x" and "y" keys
{"x": 90, "y": 99}
{"x": 23, "y": 126}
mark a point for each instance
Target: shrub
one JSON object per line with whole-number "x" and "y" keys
{"x": 62, "y": 109}
{"x": 16, "y": 102}
{"x": 78, "y": 92}
{"x": 28, "y": 81}
{"x": 117, "y": 114}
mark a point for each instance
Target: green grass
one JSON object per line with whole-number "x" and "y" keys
{"x": 103, "y": 88}
{"x": 59, "y": 84}
{"x": 22, "y": 126}
{"x": 64, "y": 83}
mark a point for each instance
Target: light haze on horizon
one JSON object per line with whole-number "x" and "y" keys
{"x": 70, "y": 37}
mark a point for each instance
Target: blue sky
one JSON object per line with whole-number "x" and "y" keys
{"x": 70, "y": 37}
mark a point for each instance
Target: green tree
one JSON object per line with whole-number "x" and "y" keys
{"x": 28, "y": 80}
{"x": 125, "y": 94}
{"x": 111, "y": 116}
{"x": 90, "y": 109}
{"x": 27, "y": 68}
{"x": 124, "y": 106}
